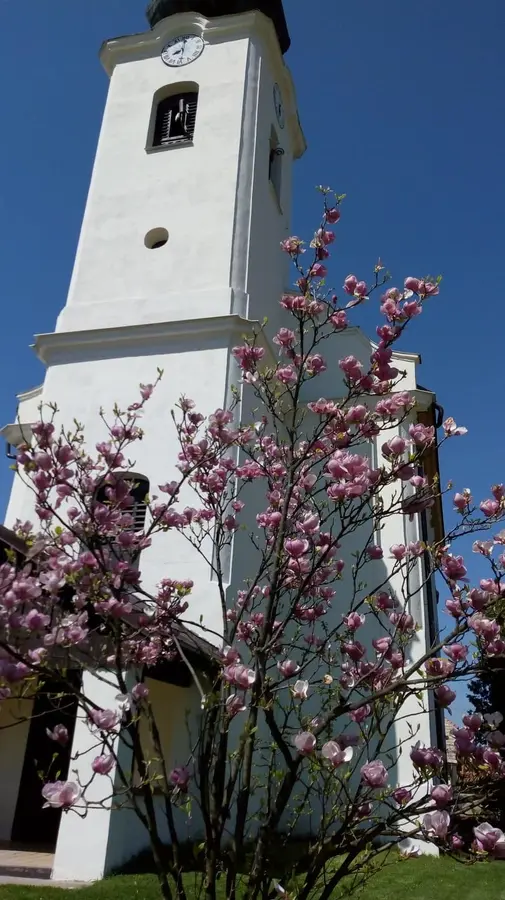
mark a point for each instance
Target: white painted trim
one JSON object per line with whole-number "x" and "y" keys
{"x": 17, "y": 433}
{"x": 47, "y": 346}
{"x": 147, "y": 43}
{"x": 31, "y": 394}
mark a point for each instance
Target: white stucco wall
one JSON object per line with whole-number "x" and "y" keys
{"x": 177, "y": 712}
{"x": 82, "y": 839}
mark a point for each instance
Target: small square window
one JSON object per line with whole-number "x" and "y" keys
{"x": 275, "y": 165}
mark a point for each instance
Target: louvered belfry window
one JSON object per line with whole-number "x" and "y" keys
{"x": 175, "y": 119}
{"x": 137, "y": 507}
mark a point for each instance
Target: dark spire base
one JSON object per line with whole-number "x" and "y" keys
{"x": 161, "y": 9}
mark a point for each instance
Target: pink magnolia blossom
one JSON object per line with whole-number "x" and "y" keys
{"x": 464, "y": 741}
{"x": 382, "y": 644}
{"x": 230, "y": 655}
{"x": 356, "y": 414}
{"x": 490, "y": 840}
{"x": 444, "y": 695}
{"x": 335, "y": 754}
{"x": 490, "y": 758}
{"x": 318, "y": 270}
{"x": 485, "y": 628}
{"x": 462, "y": 501}
{"x": 422, "y": 435}
{"x": 179, "y": 777}
{"x": 454, "y": 607}
{"x": 339, "y": 319}
{"x": 288, "y": 667}
{"x": 456, "y": 842}
{"x": 374, "y": 774}
{"x": 354, "y": 649}
{"x": 403, "y": 621}
{"x": 426, "y": 757}
{"x": 398, "y": 551}
{"x": 361, "y": 289}
{"x": 300, "y": 690}
{"x": 395, "y": 446}
{"x": 412, "y": 284}
{"x": 102, "y": 765}
{"x": 105, "y": 719}
{"x": 364, "y": 810}
{"x": 483, "y": 547}
{"x": 436, "y": 824}
{"x": 442, "y": 795}
{"x": 305, "y": 743}
{"x": 437, "y": 668}
{"x": 292, "y": 245}
{"x": 385, "y": 601}
{"x": 473, "y": 722}
{"x": 140, "y": 691}
{"x": 285, "y": 337}
{"x": 239, "y": 675}
{"x": 456, "y": 652}
{"x": 489, "y": 508}
{"x": 61, "y": 794}
{"x": 374, "y": 552}
{"x": 296, "y": 547}
{"x": 361, "y": 713}
{"x": 309, "y": 525}
{"x": 453, "y": 567}
{"x": 332, "y": 215}
{"x": 451, "y": 429}
{"x": 421, "y": 287}
{"x": 59, "y": 734}
{"x": 234, "y": 705}
{"x": 354, "y": 620}
{"x": 350, "y": 284}
{"x": 402, "y": 796}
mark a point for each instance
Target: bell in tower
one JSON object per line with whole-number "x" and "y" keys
{"x": 161, "y": 9}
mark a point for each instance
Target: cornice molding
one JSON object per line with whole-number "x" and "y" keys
{"x": 49, "y": 347}
{"x": 31, "y": 394}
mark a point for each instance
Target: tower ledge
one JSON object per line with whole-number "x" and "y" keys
{"x": 162, "y": 9}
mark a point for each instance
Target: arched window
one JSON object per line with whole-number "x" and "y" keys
{"x": 134, "y": 504}
{"x": 175, "y": 119}
{"x": 135, "y": 500}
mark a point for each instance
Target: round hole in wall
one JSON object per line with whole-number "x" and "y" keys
{"x": 155, "y": 238}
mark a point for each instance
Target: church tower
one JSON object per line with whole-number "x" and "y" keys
{"x": 178, "y": 255}
{"x": 179, "y": 252}
{"x": 189, "y": 199}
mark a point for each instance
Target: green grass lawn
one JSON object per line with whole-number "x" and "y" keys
{"x": 416, "y": 879}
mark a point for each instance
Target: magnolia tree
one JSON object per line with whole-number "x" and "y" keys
{"x": 317, "y": 666}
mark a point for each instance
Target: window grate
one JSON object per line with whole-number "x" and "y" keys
{"x": 175, "y": 119}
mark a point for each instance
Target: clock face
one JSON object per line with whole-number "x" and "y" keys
{"x": 182, "y": 50}
{"x": 279, "y": 106}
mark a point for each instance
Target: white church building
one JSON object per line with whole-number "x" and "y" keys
{"x": 189, "y": 199}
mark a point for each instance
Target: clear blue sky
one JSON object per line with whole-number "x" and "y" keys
{"x": 402, "y": 105}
